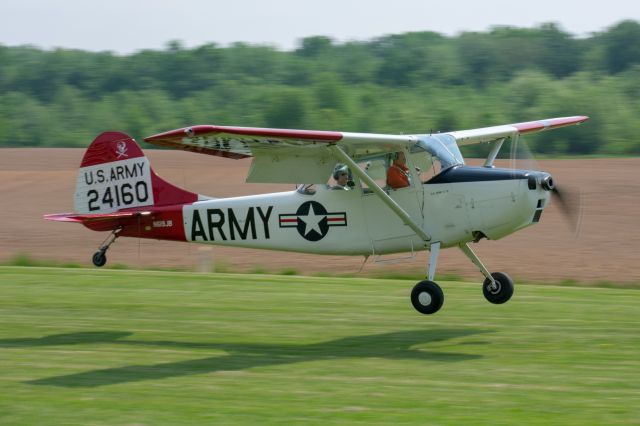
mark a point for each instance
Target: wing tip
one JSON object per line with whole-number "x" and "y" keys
{"x": 550, "y": 123}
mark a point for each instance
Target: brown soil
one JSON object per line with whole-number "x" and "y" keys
{"x": 38, "y": 181}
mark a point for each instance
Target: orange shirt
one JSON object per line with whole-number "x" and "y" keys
{"x": 397, "y": 176}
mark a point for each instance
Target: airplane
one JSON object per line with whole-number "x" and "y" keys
{"x": 444, "y": 203}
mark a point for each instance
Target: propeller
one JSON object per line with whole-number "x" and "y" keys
{"x": 570, "y": 203}
{"x": 569, "y": 200}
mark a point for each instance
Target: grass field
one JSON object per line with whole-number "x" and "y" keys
{"x": 108, "y": 347}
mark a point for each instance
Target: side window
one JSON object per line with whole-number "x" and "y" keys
{"x": 425, "y": 165}
{"x": 376, "y": 169}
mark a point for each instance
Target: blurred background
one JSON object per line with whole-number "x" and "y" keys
{"x": 77, "y": 69}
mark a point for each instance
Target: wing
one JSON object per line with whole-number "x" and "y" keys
{"x": 488, "y": 134}
{"x": 280, "y": 155}
{"x": 302, "y": 156}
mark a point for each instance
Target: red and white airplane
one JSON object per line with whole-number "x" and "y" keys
{"x": 446, "y": 203}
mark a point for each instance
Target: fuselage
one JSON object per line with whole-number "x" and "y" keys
{"x": 446, "y": 202}
{"x": 457, "y": 206}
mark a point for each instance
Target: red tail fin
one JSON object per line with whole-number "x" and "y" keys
{"x": 116, "y": 175}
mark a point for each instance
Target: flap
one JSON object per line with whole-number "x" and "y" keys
{"x": 283, "y": 165}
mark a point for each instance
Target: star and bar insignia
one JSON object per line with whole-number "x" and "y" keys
{"x": 312, "y": 220}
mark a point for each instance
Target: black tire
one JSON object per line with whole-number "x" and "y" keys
{"x": 504, "y": 289}
{"x": 99, "y": 258}
{"x": 427, "y": 297}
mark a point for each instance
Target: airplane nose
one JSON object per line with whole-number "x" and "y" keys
{"x": 543, "y": 179}
{"x": 547, "y": 183}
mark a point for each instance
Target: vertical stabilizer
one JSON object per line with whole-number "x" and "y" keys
{"x": 116, "y": 175}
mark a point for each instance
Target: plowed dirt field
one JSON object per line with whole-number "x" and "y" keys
{"x": 38, "y": 181}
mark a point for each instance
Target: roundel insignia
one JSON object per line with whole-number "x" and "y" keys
{"x": 312, "y": 220}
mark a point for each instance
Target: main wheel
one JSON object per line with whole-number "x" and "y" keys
{"x": 99, "y": 258}
{"x": 427, "y": 297}
{"x": 502, "y": 291}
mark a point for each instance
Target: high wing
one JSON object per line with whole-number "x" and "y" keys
{"x": 489, "y": 134}
{"x": 281, "y": 155}
{"x": 297, "y": 156}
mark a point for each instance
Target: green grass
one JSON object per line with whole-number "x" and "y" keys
{"x": 409, "y": 273}
{"x": 109, "y": 347}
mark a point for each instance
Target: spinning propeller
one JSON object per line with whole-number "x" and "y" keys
{"x": 569, "y": 199}
{"x": 570, "y": 203}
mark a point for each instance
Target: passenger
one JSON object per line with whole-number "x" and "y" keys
{"x": 398, "y": 173}
{"x": 341, "y": 176}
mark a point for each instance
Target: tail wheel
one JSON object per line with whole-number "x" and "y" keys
{"x": 99, "y": 258}
{"x": 427, "y": 297}
{"x": 499, "y": 293}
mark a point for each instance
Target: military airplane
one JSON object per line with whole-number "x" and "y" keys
{"x": 440, "y": 201}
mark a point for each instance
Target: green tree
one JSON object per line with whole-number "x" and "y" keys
{"x": 622, "y": 46}
{"x": 286, "y": 108}
{"x": 404, "y": 58}
{"x": 311, "y": 47}
{"x": 477, "y": 59}
{"x": 404, "y": 83}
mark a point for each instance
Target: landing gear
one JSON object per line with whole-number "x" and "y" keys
{"x": 500, "y": 290}
{"x": 427, "y": 297}
{"x": 100, "y": 258}
{"x": 497, "y": 286}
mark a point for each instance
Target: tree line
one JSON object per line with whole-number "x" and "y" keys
{"x": 416, "y": 82}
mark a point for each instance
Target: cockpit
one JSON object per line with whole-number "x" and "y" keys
{"x": 441, "y": 147}
{"x": 429, "y": 156}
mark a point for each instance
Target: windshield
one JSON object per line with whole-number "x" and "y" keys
{"x": 443, "y": 147}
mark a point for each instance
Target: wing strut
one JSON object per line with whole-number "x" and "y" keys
{"x": 494, "y": 151}
{"x": 403, "y": 215}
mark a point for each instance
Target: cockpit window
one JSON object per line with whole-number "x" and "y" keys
{"x": 428, "y": 157}
{"x": 376, "y": 168}
{"x": 443, "y": 147}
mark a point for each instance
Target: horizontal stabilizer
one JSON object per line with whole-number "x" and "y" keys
{"x": 85, "y": 218}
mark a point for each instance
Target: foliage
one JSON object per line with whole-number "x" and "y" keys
{"x": 402, "y": 83}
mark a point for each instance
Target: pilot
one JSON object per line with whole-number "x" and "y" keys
{"x": 341, "y": 176}
{"x": 398, "y": 173}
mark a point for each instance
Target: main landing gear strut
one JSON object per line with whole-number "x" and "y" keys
{"x": 100, "y": 258}
{"x": 427, "y": 296}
